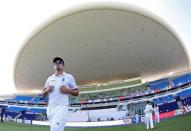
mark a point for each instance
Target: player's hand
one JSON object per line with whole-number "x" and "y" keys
{"x": 64, "y": 89}
{"x": 49, "y": 89}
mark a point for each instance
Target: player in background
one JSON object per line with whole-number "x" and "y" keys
{"x": 148, "y": 116}
{"x": 137, "y": 118}
{"x": 157, "y": 114}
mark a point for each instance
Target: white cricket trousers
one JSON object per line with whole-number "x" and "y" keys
{"x": 57, "y": 117}
{"x": 149, "y": 120}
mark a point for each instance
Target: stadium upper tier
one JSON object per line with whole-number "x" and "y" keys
{"x": 111, "y": 85}
{"x": 120, "y": 90}
{"x": 134, "y": 84}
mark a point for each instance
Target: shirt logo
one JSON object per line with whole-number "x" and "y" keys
{"x": 63, "y": 79}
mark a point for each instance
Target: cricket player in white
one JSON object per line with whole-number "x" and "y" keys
{"x": 137, "y": 118}
{"x": 58, "y": 86}
{"x": 148, "y": 116}
{"x": 157, "y": 115}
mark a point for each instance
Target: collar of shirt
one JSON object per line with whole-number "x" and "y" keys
{"x": 59, "y": 75}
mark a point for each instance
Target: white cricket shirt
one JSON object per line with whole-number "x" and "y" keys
{"x": 148, "y": 109}
{"x": 56, "y": 98}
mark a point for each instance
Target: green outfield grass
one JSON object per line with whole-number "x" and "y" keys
{"x": 182, "y": 123}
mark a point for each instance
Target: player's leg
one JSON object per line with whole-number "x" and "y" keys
{"x": 137, "y": 120}
{"x": 151, "y": 121}
{"x": 147, "y": 121}
{"x": 155, "y": 118}
{"x": 59, "y": 119}
{"x": 158, "y": 117}
{"x": 49, "y": 115}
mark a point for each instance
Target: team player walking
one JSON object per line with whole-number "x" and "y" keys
{"x": 149, "y": 115}
{"x": 58, "y": 86}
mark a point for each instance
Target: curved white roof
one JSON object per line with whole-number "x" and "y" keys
{"x": 102, "y": 44}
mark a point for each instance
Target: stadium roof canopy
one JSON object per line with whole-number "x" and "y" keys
{"x": 102, "y": 43}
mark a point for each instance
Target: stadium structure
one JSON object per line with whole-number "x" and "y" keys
{"x": 121, "y": 57}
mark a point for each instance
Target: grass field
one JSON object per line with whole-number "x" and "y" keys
{"x": 182, "y": 123}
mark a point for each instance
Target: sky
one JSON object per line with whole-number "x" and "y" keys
{"x": 19, "y": 19}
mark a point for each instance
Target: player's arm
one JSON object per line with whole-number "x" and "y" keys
{"x": 72, "y": 90}
{"x": 44, "y": 93}
{"x": 47, "y": 89}
{"x": 65, "y": 90}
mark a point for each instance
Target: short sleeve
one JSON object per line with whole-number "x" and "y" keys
{"x": 72, "y": 84}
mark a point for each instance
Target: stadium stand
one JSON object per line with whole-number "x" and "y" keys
{"x": 39, "y": 99}
{"x": 184, "y": 94}
{"x": 165, "y": 99}
{"x": 16, "y": 109}
{"x": 111, "y": 85}
{"x": 37, "y": 110}
{"x": 21, "y": 98}
{"x": 90, "y": 106}
{"x": 180, "y": 80}
{"x": 159, "y": 86}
